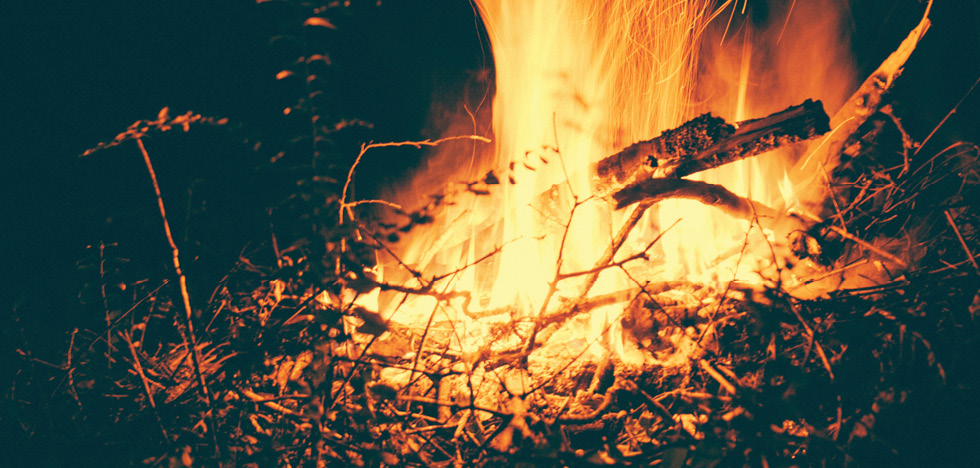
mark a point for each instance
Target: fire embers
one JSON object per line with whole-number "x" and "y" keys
{"x": 677, "y": 325}
{"x": 805, "y": 246}
{"x": 677, "y": 307}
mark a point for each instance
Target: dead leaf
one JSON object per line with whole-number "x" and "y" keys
{"x": 304, "y": 359}
{"x": 283, "y": 372}
{"x": 317, "y": 21}
{"x": 373, "y": 324}
{"x": 390, "y": 459}
{"x": 185, "y": 456}
{"x": 316, "y": 57}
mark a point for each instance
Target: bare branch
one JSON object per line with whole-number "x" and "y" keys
{"x": 344, "y": 205}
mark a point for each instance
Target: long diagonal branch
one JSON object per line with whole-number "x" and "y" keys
{"x": 195, "y": 353}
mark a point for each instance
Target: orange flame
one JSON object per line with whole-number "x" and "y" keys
{"x": 577, "y": 81}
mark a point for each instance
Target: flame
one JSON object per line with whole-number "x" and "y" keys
{"x": 577, "y": 81}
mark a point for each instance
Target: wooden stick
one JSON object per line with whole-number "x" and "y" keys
{"x": 813, "y": 339}
{"x": 664, "y": 151}
{"x": 862, "y": 104}
{"x": 868, "y": 245}
{"x": 717, "y": 376}
{"x": 656, "y": 190}
{"x": 753, "y": 137}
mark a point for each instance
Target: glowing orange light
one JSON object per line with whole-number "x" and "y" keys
{"x": 577, "y": 81}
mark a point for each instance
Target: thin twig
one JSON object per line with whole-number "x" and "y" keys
{"x": 561, "y": 160}
{"x": 813, "y": 337}
{"x": 867, "y": 245}
{"x": 138, "y": 367}
{"x": 738, "y": 263}
{"x": 126, "y": 314}
{"x": 425, "y": 335}
{"x": 833, "y": 197}
{"x": 831, "y": 273}
{"x": 105, "y": 301}
{"x": 664, "y": 412}
{"x": 651, "y": 301}
{"x": 717, "y": 376}
{"x": 593, "y": 275}
{"x": 268, "y": 403}
{"x": 344, "y": 205}
{"x": 450, "y": 404}
{"x": 71, "y": 370}
{"x": 375, "y": 202}
{"x": 950, "y": 114}
{"x": 907, "y": 141}
{"x": 553, "y": 284}
{"x": 959, "y": 236}
{"x": 92, "y": 343}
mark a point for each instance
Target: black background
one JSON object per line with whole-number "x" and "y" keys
{"x": 77, "y": 73}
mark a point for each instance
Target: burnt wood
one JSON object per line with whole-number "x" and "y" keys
{"x": 707, "y": 142}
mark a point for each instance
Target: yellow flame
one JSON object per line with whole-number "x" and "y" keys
{"x": 577, "y": 81}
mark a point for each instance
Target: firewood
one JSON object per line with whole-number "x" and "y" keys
{"x": 864, "y": 103}
{"x": 707, "y": 142}
{"x": 665, "y": 151}
{"x": 753, "y": 137}
{"x": 657, "y": 189}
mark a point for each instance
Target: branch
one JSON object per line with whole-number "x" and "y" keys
{"x": 344, "y": 205}
{"x": 707, "y": 142}
{"x": 195, "y": 353}
{"x": 864, "y": 102}
{"x": 575, "y": 307}
{"x": 656, "y": 190}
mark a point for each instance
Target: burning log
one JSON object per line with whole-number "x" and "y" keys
{"x": 650, "y": 171}
{"x": 707, "y": 142}
{"x": 657, "y": 189}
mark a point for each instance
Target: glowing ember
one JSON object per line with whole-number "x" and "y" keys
{"x": 577, "y": 81}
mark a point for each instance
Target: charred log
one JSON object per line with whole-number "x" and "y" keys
{"x": 665, "y": 152}
{"x": 753, "y": 137}
{"x": 707, "y": 142}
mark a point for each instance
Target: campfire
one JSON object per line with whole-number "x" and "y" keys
{"x": 576, "y": 240}
{"x": 678, "y": 237}
{"x": 601, "y": 245}
{"x": 574, "y": 200}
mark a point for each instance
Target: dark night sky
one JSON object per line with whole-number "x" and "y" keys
{"x": 74, "y": 75}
